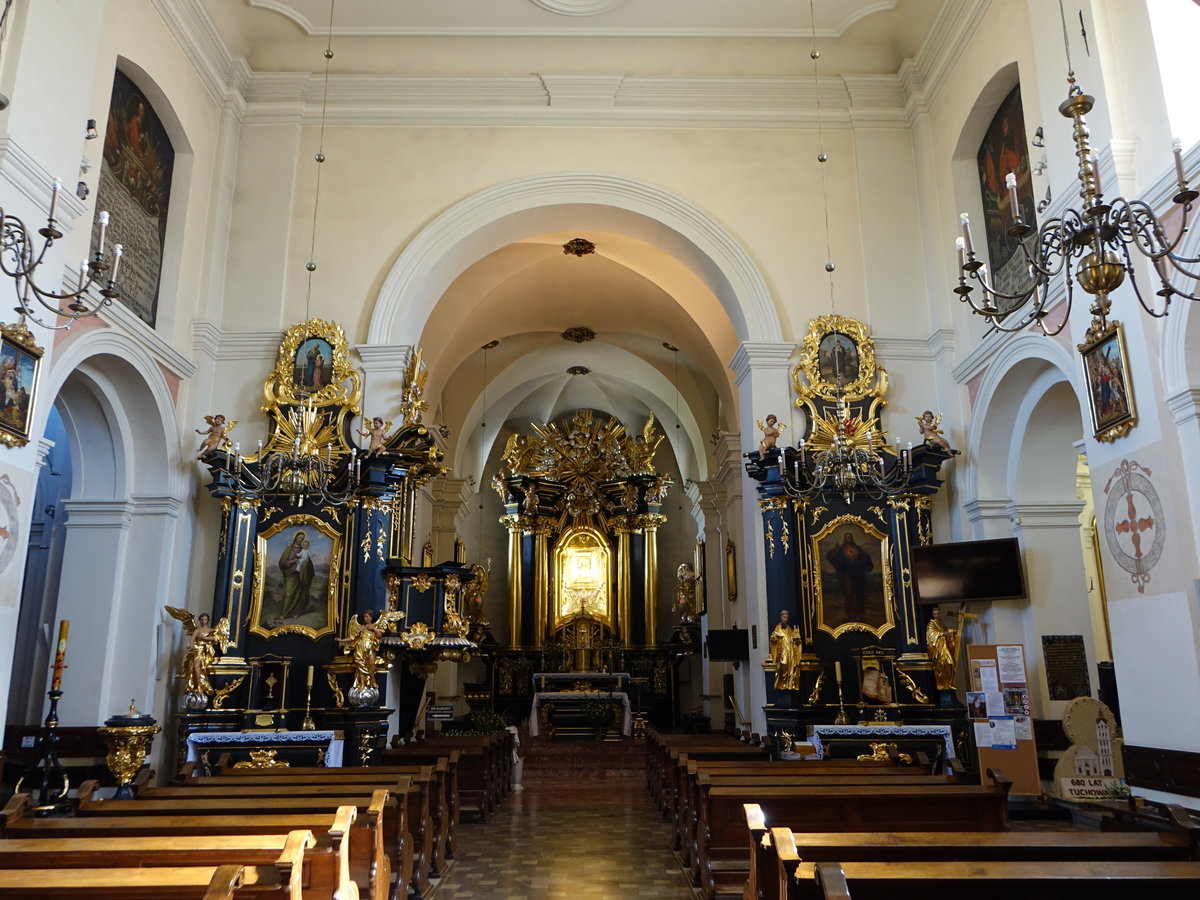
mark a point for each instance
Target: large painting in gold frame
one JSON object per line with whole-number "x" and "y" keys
{"x": 297, "y": 568}
{"x": 852, "y": 577}
{"x": 582, "y": 576}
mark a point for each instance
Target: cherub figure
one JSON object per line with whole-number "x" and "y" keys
{"x": 530, "y": 506}
{"x": 377, "y": 433}
{"x": 217, "y": 435}
{"x": 201, "y": 654}
{"x": 929, "y": 426}
{"x": 500, "y": 486}
{"x": 771, "y": 432}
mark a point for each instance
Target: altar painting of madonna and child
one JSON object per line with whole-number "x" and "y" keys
{"x": 297, "y": 560}
{"x": 855, "y": 590}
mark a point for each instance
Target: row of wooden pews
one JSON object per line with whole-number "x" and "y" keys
{"x": 1040, "y": 864}
{"x": 383, "y": 832}
{"x": 745, "y": 826}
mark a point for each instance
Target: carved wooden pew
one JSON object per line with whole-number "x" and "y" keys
{"x": 722, "y": 832}
{"x": 423, "y": 788}
{"x": 734, "y": 864}
{"x": 228, "y": 882}
{"x": 484, "y": 767}
{"x": 370, "y": 865}
{"x": 665, "y": 776}
{"x": 353, "y": 851}
{"x": 323, "y": 871}
{"x": 392, "y": 812}
{"x": 1095, "y": 880}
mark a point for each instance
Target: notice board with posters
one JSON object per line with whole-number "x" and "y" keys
{"x": 998, "y": 706}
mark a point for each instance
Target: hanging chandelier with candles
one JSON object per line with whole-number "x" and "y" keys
{"x": 1093, "y": 247}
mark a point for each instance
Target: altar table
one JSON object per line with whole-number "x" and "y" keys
{"x": 201, "y": 744}
{"x": 880, "y": 732}
{"x": 551, "y": 696}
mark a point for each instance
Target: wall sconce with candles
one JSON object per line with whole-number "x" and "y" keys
{"x": 1089, "y": 246}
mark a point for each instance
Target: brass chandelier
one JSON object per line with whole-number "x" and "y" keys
{"x": 1092, "y": 246}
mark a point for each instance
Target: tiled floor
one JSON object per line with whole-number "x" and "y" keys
{"x": 563, "y": 838}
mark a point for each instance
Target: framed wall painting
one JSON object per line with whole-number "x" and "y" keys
{"x": 731, "y": 570}
{"x": 297, "y": 567}
{"x": 854, "y": 592}
{"x": 700, "y": 567}
{"x": 1106, "y": 373}
{"x": 20, "y": 365}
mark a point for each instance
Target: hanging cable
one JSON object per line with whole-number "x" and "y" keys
{"x": 311, "y": 265}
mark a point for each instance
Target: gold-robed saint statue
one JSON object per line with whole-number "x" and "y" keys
{"x": 942, "y": 646}
{"x": 362, "y": 646}
{"x": 784, "y": 654}
{"x": 201, "y": 654}
{"x": 687, "y": 586}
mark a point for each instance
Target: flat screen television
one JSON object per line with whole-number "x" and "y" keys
{"x": 728, "y": 645}
{"x": 968, "y": 570}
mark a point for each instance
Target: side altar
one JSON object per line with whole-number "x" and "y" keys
{"x": 318, "y": 602}
{"x": 841, "y": 510}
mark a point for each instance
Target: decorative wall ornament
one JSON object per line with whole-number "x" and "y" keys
{"x": 579, "y": 334}
{"x": 1134, "y": 526}
{"x": 731, "y": 570}
{"x": 578, "y": 8}
{"x": 1106, "y": 373}
{"x": 854, "y": 588}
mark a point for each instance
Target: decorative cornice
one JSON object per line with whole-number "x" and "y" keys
{"x": 156, "y": 506}
{"x": 124, "y": 320}
{"x": 98, "y": 513}
{"x": 197, "y": 35}
{"x": 910, "y": 349}
{"x": 384, "y": 357}
{"x": 944, "y": 43}
{"x": 761, "y": 355}
{"x": 1184, "y": 405}
{"x": 1058, "y": 514}
{"x": 31, "y": 180}
{"x": 209, "y": 339}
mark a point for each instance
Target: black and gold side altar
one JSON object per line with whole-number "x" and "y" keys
{"x": 315, "y": 530}
{"x": 840, "y": 511}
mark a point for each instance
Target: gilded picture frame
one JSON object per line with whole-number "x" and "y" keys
{"x": 20, "y": 369}
{"x": 731, "y": 571}
{"x": 297, "y": 569}
{"x": 852, "y": 577}
{"x": 1109, "y": 387}
{"x": 700, "y": 567}
{"x": 837, "y": 357}
{"x": 313, "y": 366}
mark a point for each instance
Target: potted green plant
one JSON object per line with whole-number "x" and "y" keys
{"x": 600, "y": 713}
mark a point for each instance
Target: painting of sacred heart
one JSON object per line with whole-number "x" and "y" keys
{"x": 296, "y": 570}
{"x": 855, "y": 590}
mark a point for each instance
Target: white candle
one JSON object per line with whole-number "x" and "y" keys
{"x": 103, "y": 220}
{"x": 54, "y": 198}
{"x": 83, "y": 273}
{"x": 1010, "y": 181}
{"x": 961, "y": 246}
{"x": 966, "y": 228}
{"x": 837, "y": 668}
{"x": 310, "y": 674}
{"x": 1177, "y": 150}
{"x": 1095, "y": 163}
{"x": 117, "y": 251}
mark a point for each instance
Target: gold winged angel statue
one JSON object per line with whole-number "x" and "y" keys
{"x": 201, "y": 654}
{"x": 362, "y": 646}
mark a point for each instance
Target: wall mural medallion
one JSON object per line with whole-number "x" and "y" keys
{"x": 1134, "y": 527}
{"x": 10, "y": 522}
{"x": 853, "y": 590}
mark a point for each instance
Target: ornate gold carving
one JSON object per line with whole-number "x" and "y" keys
{"x": 768, "y": 504}
{"x": 127, "y": 749}
{"x": 417, "y": 636}
{"x": 421, "y": 582}
{"x": 222, "y": 693}
{"x": 339, "y": 699}
{"x": 412, "y": 402}
{"x": 343, "y": 389}
{"x": 785, "y": 536}
{"x": 262, "y": 758}
{"x": 20, "y": 335}
{"x": 771, "y": 538}
{"x": 906, "y": 679}
{"x": 816, "y": 691}
{"x": 884, "y": 752}
{"x": 812, "y": 377}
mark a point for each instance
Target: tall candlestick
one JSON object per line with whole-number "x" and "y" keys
{"x": 54, "y": 198}
{"x": 1177, "y": 151}
{"x": 117, "y": 251}
{"x": 61, "y": 654}
{"x": 837, "y": 669}
{"x": 960, "y": 245}
{"x": 310, "y": 676}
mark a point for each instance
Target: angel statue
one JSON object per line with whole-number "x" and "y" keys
{"x": 641, "y": 457}
{"x": 377, "y": 432}
{"x": 930, "y": 427}
{"x": 476, "y": 592}
{"x": 362, "y": 645}
{"x": 771, "y": 432}
{"x": 217, "y": 435}
{"x": 201, "y": 654}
